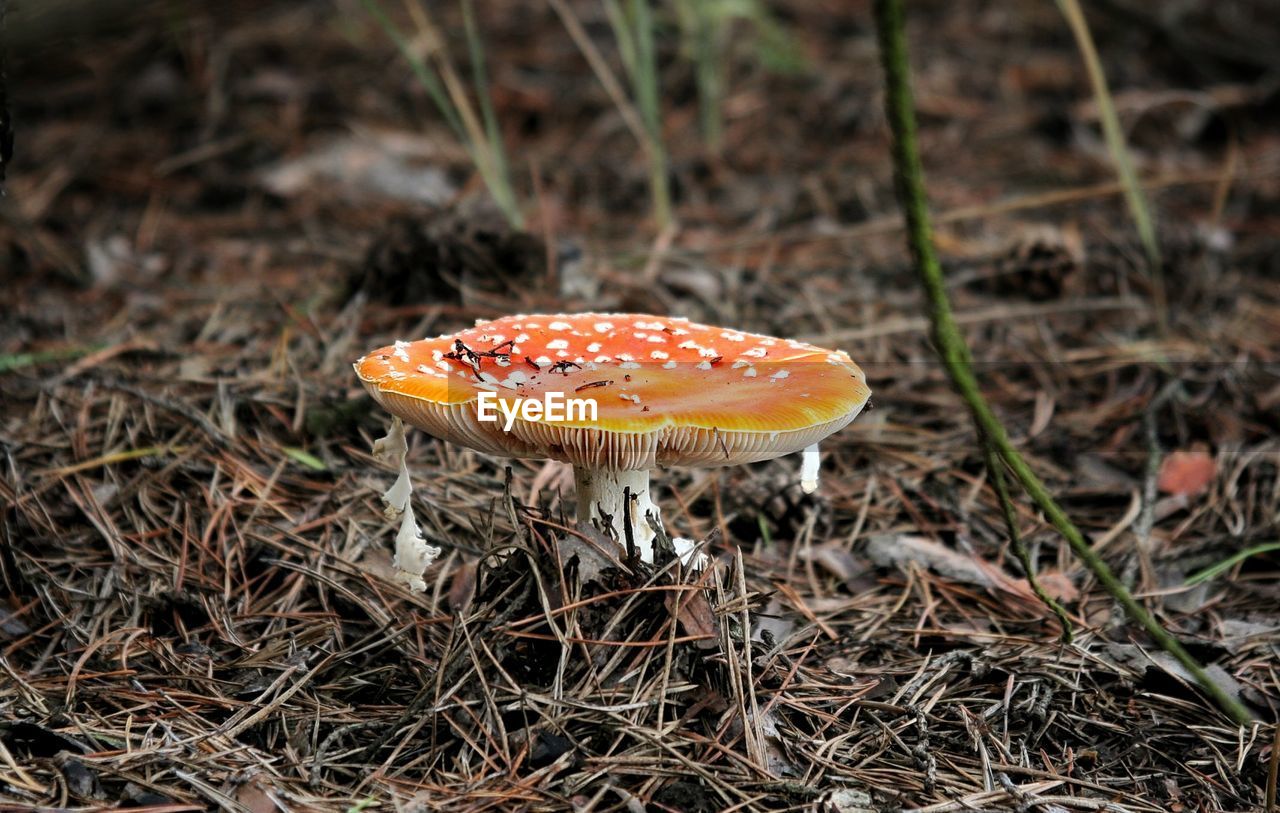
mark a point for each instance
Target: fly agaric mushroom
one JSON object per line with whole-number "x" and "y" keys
{"x": 665, "y": 392}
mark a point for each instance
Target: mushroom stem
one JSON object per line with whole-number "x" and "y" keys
{"x": 600, "y": 494}
{"x": 809, "y": 470}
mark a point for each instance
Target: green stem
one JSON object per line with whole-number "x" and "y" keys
{"x": 996, "y": 468}
{"x": 501, "y": 188}
{"x": 647, "y": 98}
{"x": 1113, "y": 133}
{"x": 954, "y": 352}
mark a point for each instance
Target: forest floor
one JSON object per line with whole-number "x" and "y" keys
{"x": 211, "y": 214}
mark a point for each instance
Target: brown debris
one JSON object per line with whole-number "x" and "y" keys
{"x": 196, "y": 603}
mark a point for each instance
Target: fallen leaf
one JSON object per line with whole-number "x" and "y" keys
{"x": 775, "y": 621}
{"x": 463, "y": 587}
{"x": 365, "y": 166}
{"x": 255, "y": 797}
{"x": 775, "y": 752}
{"x": 11, "y": 624}
{"x": 1058, "y": 585}
{"x": 901, "y": 550}
{"x": 594, "y": 556}
{"x": 1186, "y": 472}
{"x": 839, "y": 562}
{"x": 1141, "y": 660}
{"x": 846, "y": 800}
{"x": 695, "y": 617}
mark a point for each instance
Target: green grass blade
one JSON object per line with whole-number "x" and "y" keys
{"x": 625, "y": 37}
{"x": 1112, "y": 132}
{"x": 705, "y": 26}
{"x": 305, "y": 458}
{"x": 647, "y": 99}
{"x": 434, "y": 87}
{"x": 1214, "y": 571}
{"x": 501, "y": 187}
{"x": 16, "y": 361}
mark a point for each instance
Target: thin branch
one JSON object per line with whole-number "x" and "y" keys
{"x": 996, "y": 468}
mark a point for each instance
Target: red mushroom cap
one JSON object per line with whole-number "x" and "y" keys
{"x": 667, "y": 391}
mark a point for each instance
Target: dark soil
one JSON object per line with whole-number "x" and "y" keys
{"x": 196, "y": 602}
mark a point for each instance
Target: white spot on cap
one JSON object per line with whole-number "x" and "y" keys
{"x": 557, "y": 344}
{"x": 400, "y": 351}
{"x": 658, "y": 354}
{"x": 594, "y": 347}
{"x": 657, "y": 339}
{"x": 444, "y": 365}
{"x": 756, "y": 352}
{"x": 603, "y": 327}
{"x": 603, "y": 359}
{"x": 740, "y": 363}
{"x": 523, "y": 337}
{"x": 542, "y": 360}
{"x": 629, "y": 365}
{"x": 704, "y": 365}
{"x": 559, "y": 326}
{"x": 670, "y": 365}
{"x": 436, "y": 355}
{"x": 733, "y": 337}
{"x": 750, "y": 372}
{"x": 781, "y": 374}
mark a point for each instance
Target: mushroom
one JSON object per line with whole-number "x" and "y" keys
{"x": 663, "y": 391}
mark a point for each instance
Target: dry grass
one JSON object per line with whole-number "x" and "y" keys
{"x": 197, "y": 609}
